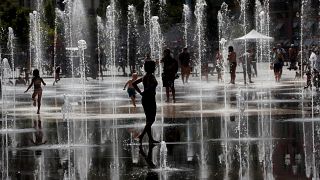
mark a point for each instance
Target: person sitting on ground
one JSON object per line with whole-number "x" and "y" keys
{"x": 131, "y": 91}
{"x": 37, "y": 91}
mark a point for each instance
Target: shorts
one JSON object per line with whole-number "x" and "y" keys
{"x": 131, "y": 92}
{"x": 277, "y": 67}
{"x": 168, "y": 82}
{"x": 185, "y": 70}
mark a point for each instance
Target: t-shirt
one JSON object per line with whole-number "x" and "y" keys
{"x": 184, "y": 59}
{"x": 170, "y": 66}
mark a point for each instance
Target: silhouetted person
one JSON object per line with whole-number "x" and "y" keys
{"x": 57, "y": 75}
{"x": 37, "y": 90}
{"x": 232, "y": 58}
{"x": 184, "y": 59}
{"x": 26, "y": 76}
{"x": 148, "y": 98}
{"x": 170, "y": 69}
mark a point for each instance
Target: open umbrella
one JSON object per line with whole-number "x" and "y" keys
{"x": 253, "y": 35}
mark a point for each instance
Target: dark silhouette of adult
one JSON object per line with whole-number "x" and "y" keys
{"x": 184, "y": 59}
{"x": 148, "y": 98}
{"x": 170, "y": 69}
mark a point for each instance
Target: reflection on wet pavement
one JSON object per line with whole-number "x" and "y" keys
{"x": 264, "y": 130}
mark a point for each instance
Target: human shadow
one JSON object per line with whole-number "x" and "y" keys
{"x": 37, "y": 137}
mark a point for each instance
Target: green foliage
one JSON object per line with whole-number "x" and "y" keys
{"x": 17, "y": 18}
{"x": 49, "y": 12}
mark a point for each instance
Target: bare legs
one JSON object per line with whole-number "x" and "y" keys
{"x": 38, "y": 100}
{"x": 133, "y": 100}
{"x": 150, "y": 108}
{"x": 173, "y": 91}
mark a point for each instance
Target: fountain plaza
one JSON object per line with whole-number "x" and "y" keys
{"x": 87, "y": 128}
{"x": 264, "y": 130}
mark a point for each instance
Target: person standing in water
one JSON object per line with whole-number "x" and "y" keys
{"x": 232, "y": 58}
{"x": 184, "y": 59}
{"x": 131, "y": 91}
{"x": 148, "y": 98}
{"x": 37, "y": 91}
{"x": 57, "y": 75}
{"x": 170, "y": 69}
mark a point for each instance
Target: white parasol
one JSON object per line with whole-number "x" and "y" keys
{"x": 253, "y": 35}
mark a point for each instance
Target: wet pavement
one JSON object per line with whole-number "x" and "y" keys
{"x": 264, "y": 130}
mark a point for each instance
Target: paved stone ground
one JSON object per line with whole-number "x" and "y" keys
{"x": 215, "y": 130}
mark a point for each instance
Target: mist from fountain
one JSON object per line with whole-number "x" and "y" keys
{"x": 186, "y": 23}
{"x": 132, "y": 35}
{"x": 156, "y": 43}
{"x": 36, "y": 41}
{"x": 5, "y": 79}
{"x": 263, "y": 54}
{"x": 66, "y": 111}
{"x": 147, "y": 14}
{"x": 200, "y": 45}
{"x": 308, "y": 135}
{"x": 76, "y": 28}
{"x": 163, "y": 156}
{"x": 112, "y": 39}
{"x": 100, "y": 50}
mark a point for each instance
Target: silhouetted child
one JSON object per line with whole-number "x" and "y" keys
{"x": 148, "y": 98}
{"x": 131, "y": 91}
{"x": 57, "y": 75}
{"x": 37, "y": 91}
